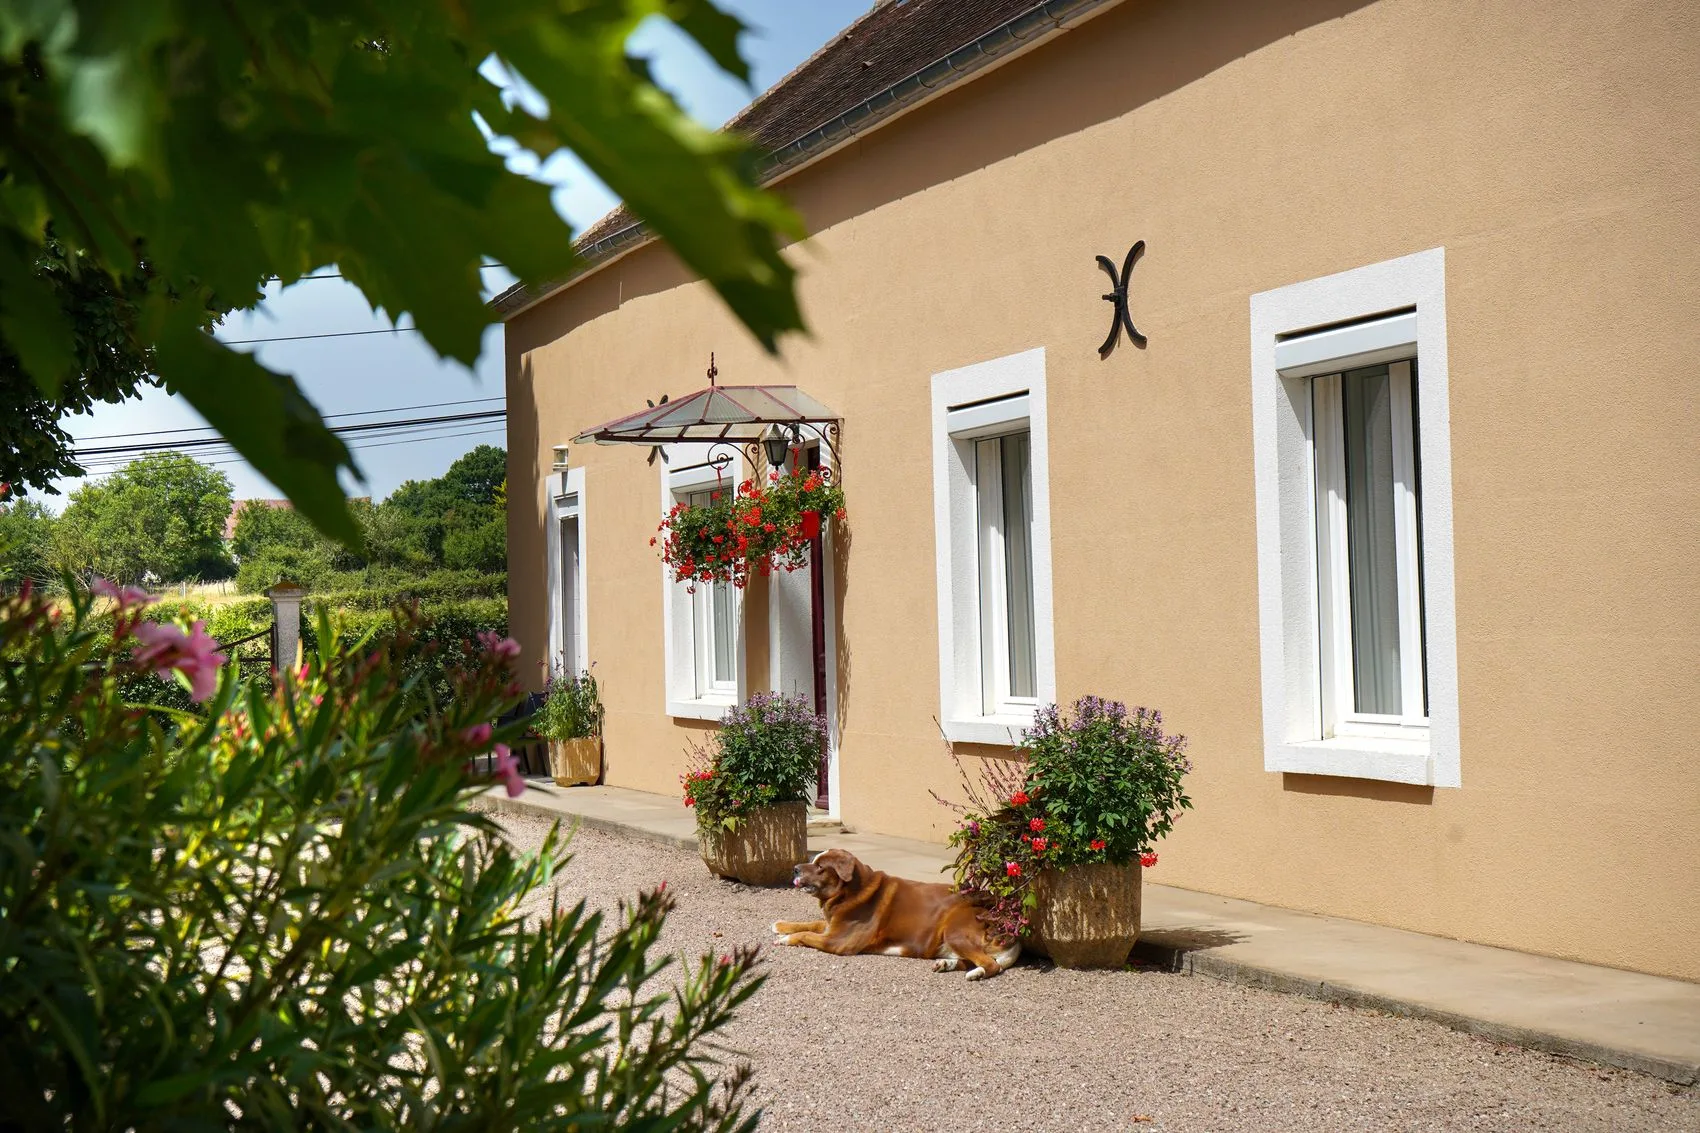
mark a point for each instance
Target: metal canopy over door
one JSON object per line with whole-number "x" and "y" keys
{"x": 733, "y": 417}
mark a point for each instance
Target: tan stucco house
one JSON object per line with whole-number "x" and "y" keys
{"x": 1386, "y": 491}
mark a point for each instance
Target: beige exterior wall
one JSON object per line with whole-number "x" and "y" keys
{"x": 1552, "y": 149}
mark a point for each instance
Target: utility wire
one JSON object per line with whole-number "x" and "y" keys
{"x": 357, "y": 447}
{"x": 327, "y": 416}
{"x": 220, "y": 451}
{"x": 302, "y": 337}
{"x": 204, "y": 442}
{"x": 339, "y": 275}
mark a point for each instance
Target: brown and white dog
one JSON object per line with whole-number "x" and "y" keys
{"x": 870, "y": 911}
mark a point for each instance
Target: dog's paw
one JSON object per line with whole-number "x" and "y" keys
{"x": 946, "y": 964}
{"x": 784, "y": 939}
{"x": 979, "y": 974}
{"x": 775, "y": 929}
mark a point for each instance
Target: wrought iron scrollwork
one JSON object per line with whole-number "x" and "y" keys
{"x": 1120, "y": 316}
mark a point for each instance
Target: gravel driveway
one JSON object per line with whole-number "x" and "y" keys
{"x": 878, "y": 1043}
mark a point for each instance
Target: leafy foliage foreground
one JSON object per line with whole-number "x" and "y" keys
{"x": 284, "y": 913}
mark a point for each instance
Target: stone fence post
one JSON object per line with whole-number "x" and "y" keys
{"x": 286, "y": 624}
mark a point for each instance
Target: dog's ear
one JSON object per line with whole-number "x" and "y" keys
{"x": 843, "y": 865}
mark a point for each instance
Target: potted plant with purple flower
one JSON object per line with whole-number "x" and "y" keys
{"x": 749, "y": 787}
{"x": 1053, "y": 843}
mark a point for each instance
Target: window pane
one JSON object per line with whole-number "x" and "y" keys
{"x": 1018, "y": 562}
{"x": 1373, "y": 559}
{"x": 722, "y": 634}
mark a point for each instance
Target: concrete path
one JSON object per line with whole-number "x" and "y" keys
{"x": 1625, "y": 1019}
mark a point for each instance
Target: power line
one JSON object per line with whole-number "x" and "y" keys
{"x": 359, "y": 447}
{"x": 339, "y": 275}
{"x": 204, "y": 442}
{"x": 301, "y": 337}
{"x": 327, "y": 417}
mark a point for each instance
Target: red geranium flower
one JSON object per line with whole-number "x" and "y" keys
{"x": 1098, "y": 843}
{"x": 1012, "y": 868}
{"x": 1147, "y": 859}
{"x": 1036, "y": 825}
{"x": 1018, "y": 799}
{"x": 1039, "y": 845}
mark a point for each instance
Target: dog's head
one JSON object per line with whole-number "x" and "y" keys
{"x": 827, "y": 874}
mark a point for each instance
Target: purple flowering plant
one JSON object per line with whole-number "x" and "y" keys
{"x": 765, "y": 753}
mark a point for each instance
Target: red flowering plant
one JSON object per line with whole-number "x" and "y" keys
{"x": 1099, "y": 784}
{"x": 761, "y": 526}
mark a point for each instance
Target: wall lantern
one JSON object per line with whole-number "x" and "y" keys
{"x": 777, "y": 440}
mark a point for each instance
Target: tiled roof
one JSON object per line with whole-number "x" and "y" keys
{"x": 893, "y": 40}
{"x": 891, "y": 45}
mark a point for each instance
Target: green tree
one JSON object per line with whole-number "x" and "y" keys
{"x": 476, "y": 538}
{"x": 108, "y": 365}
{"x": 162, "y": 515}
{"x": 216, "y": 146}
{"x": 26, "y": 544}
{"x": 260, "y": 526}
{"x": 478, "y": 475}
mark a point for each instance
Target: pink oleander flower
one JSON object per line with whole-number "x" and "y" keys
{"x": 497, "y": 644}
{"x": 478, "y": 735}
{"x": 507, "y": 770}
{"x": 125, "y": 596}
{"x": 164, "y": 648}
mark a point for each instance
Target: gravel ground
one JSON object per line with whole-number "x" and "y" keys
{"x": 880, "y": 1043}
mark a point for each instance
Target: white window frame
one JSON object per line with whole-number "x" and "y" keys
{"x": 1340, "y": 716}
{"x": 687, "y": 646}
{"x": 1386, "y": 312}
{"x": 566, "y": 501}
{"x": 989, "y": 399}
{"x": 996, "y": 698}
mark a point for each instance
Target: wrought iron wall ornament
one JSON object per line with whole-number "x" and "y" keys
{"x": 658, "y": 450}
{"x": 1120, "y": 316}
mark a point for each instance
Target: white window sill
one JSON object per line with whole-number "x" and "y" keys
{"x": 1356, "y": 757}
{"x": 1001, "y": 730}
{"x": 706, "y": 708}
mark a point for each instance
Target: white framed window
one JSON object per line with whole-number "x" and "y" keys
{"x": 714, "y": 639}
{"x": 569, "y": 644}
{"x": 1354, "y": 524}
{"x": 991, "y": 491}
{"x": 703, "y": 632}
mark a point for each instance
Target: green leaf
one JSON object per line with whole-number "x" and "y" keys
{"x": 30, "y": 317}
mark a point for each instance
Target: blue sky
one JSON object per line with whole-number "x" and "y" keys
{"x": 351, "y": 375}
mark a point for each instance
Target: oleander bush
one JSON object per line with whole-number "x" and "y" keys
{"x": 281, "y": 910}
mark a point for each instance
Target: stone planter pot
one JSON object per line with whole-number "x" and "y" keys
{"x": 576, "y": 763}
{"x": 1087, "y": 916}
{"x": 764, "y": 848}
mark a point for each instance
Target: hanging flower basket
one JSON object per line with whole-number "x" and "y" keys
{"x": 761, "y": 527}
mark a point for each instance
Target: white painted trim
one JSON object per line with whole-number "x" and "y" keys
{"x": 1347, "y": 348}
{"x": 829, "y": 584}
{"x": 1286, "y": 544}
{"x": 974, "y": 421}
{"x": 956, "y": 533}
{"x": 678, "y": 655}
{"x": 566, "y": 501}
